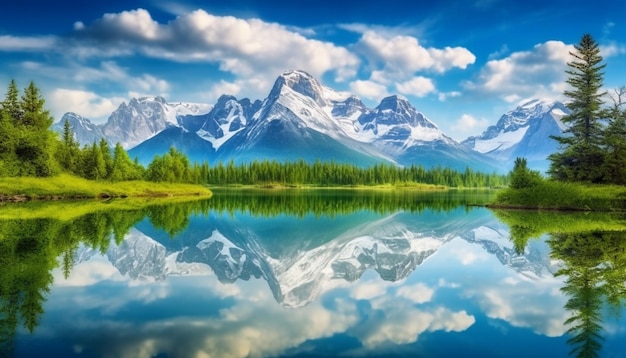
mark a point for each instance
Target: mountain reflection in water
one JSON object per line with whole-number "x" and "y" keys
{"x": 313, "y": 273}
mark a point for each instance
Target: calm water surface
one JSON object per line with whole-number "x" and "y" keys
{"x": 314, "y": 273}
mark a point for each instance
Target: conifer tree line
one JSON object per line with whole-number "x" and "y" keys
{"x": 593, "y": 148}
{"x": 28, "y": 147}
{"x": 331, "y": 173}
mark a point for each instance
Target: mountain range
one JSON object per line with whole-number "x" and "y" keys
{"x": 303, "y": 119}
{"x": 299, "y": 271}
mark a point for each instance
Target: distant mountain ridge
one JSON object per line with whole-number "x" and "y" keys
{"x": 303, "y": 119}
{"x": 523, "y": 132}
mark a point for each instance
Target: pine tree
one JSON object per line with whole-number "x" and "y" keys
{"x": 615, "y": 138}
{"x": 581, "y": 154}
{"x": 10, "y": 105}
{"x": 68, "y": 150}
{"x": 9, "y": 114}
{"x": 106, "y": 156}
{"x": 35, "y": 143}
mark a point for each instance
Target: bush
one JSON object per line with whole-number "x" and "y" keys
{"x": 522, "y": 177}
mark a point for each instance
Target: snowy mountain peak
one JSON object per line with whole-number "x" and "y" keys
{"x": 300, "y": 82}
{"x": 523, "y": 132}
{"x": 85, "y": 132}
{"x": 397, "y": 110}
{"x": 140, "y": 119}
{"x": 226, "y": 118}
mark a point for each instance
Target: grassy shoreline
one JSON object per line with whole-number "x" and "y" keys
{"x": 559, "y": 196}
{"x": 66, "y": 186}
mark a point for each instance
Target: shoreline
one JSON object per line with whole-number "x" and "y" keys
{"x": 68, "y": 187}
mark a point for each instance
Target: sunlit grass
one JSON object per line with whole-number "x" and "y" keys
{"x": 68, "y": 186}
{"x": 71, "y": 209}
{"x": 565, "y": 196}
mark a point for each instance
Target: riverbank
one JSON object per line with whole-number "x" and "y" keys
{"x": 64, "y": 187}
{"x": 560, "y": 196}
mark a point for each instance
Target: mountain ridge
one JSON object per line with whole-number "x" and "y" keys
{"x": 303, "y": 119}
{"x": 523, "y": 132}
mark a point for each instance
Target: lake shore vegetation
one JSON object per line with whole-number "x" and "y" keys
{"x": 588, "y": 171}
{"x": 36, "y": 164}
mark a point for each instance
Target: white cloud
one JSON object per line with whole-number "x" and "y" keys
{"x": 507, "y": 301}
{"x": 464, "y": 127}
{"x": 368, "y": 89}
{"x": 252, "y": 325}
{"x": 85, "y": 103}
{"x": 87, "y": 273}
{"x": 612, "y": 50}
{"x": 534, "y": 73}
{"x": 224, "y": 87}
{"x": 88, "y": 103}
{"x": 417, "y": 86}
{"x": 403, "y": 54}
{"x": 403, "y": 324}
{"x": 26, "y": 43}
{"x": 443, "y": 96}
{"x": 253, "y": 50}
{"x": 418, "y": 293}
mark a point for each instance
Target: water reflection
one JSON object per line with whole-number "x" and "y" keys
{"x": 310, "y": 274}
{"x": 592, "y": 250}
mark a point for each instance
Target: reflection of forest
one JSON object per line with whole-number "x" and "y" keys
{"x": 341, "y": 201}
{"x": 592, "y": 248}
{"x": 31, "y": 249}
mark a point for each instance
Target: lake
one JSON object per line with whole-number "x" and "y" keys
{"x": 310, "y": 273}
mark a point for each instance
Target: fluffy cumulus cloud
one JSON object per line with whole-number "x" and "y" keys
{"x": 247, "y": 48}
{"x": 508, "y": 301}
{"x": 404, "y": 54}
{"x": 397, "y": 313}
{"x": 539, "y": 72}
{"x": 369, "y": 89}
{"x": 398, "y": 321}
{"x": 254, "y": 325}
{"x": 394, "y": 60}
{"x": 417, "y": 86}
{"x": 86, "y": 103}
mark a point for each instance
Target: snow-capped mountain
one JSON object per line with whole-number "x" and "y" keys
{"x": 295, "y": 122}
{"x": 227, "y": 118}
{"x": 200, "y": 136}
{"x": 85, "y": 132}
{"x": 393, "y": 246}
{"x": 523, "y": 132}
{"x": 140, "y": 119}
{"x": 132, "y": 123}
{"x": 300, "y": 119}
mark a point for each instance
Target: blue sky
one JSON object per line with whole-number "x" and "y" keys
{"x": 463, "y": 63}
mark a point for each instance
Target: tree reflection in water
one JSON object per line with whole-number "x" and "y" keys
{"x": 592, "y": 249}
{"x": 594, "y": 272}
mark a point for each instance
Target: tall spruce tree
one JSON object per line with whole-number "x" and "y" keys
{"x": 36, "y": 143}
{"x": 615, "y": 139}
{"x": 68, "y": 150}
{"x": 581, "y": 156}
